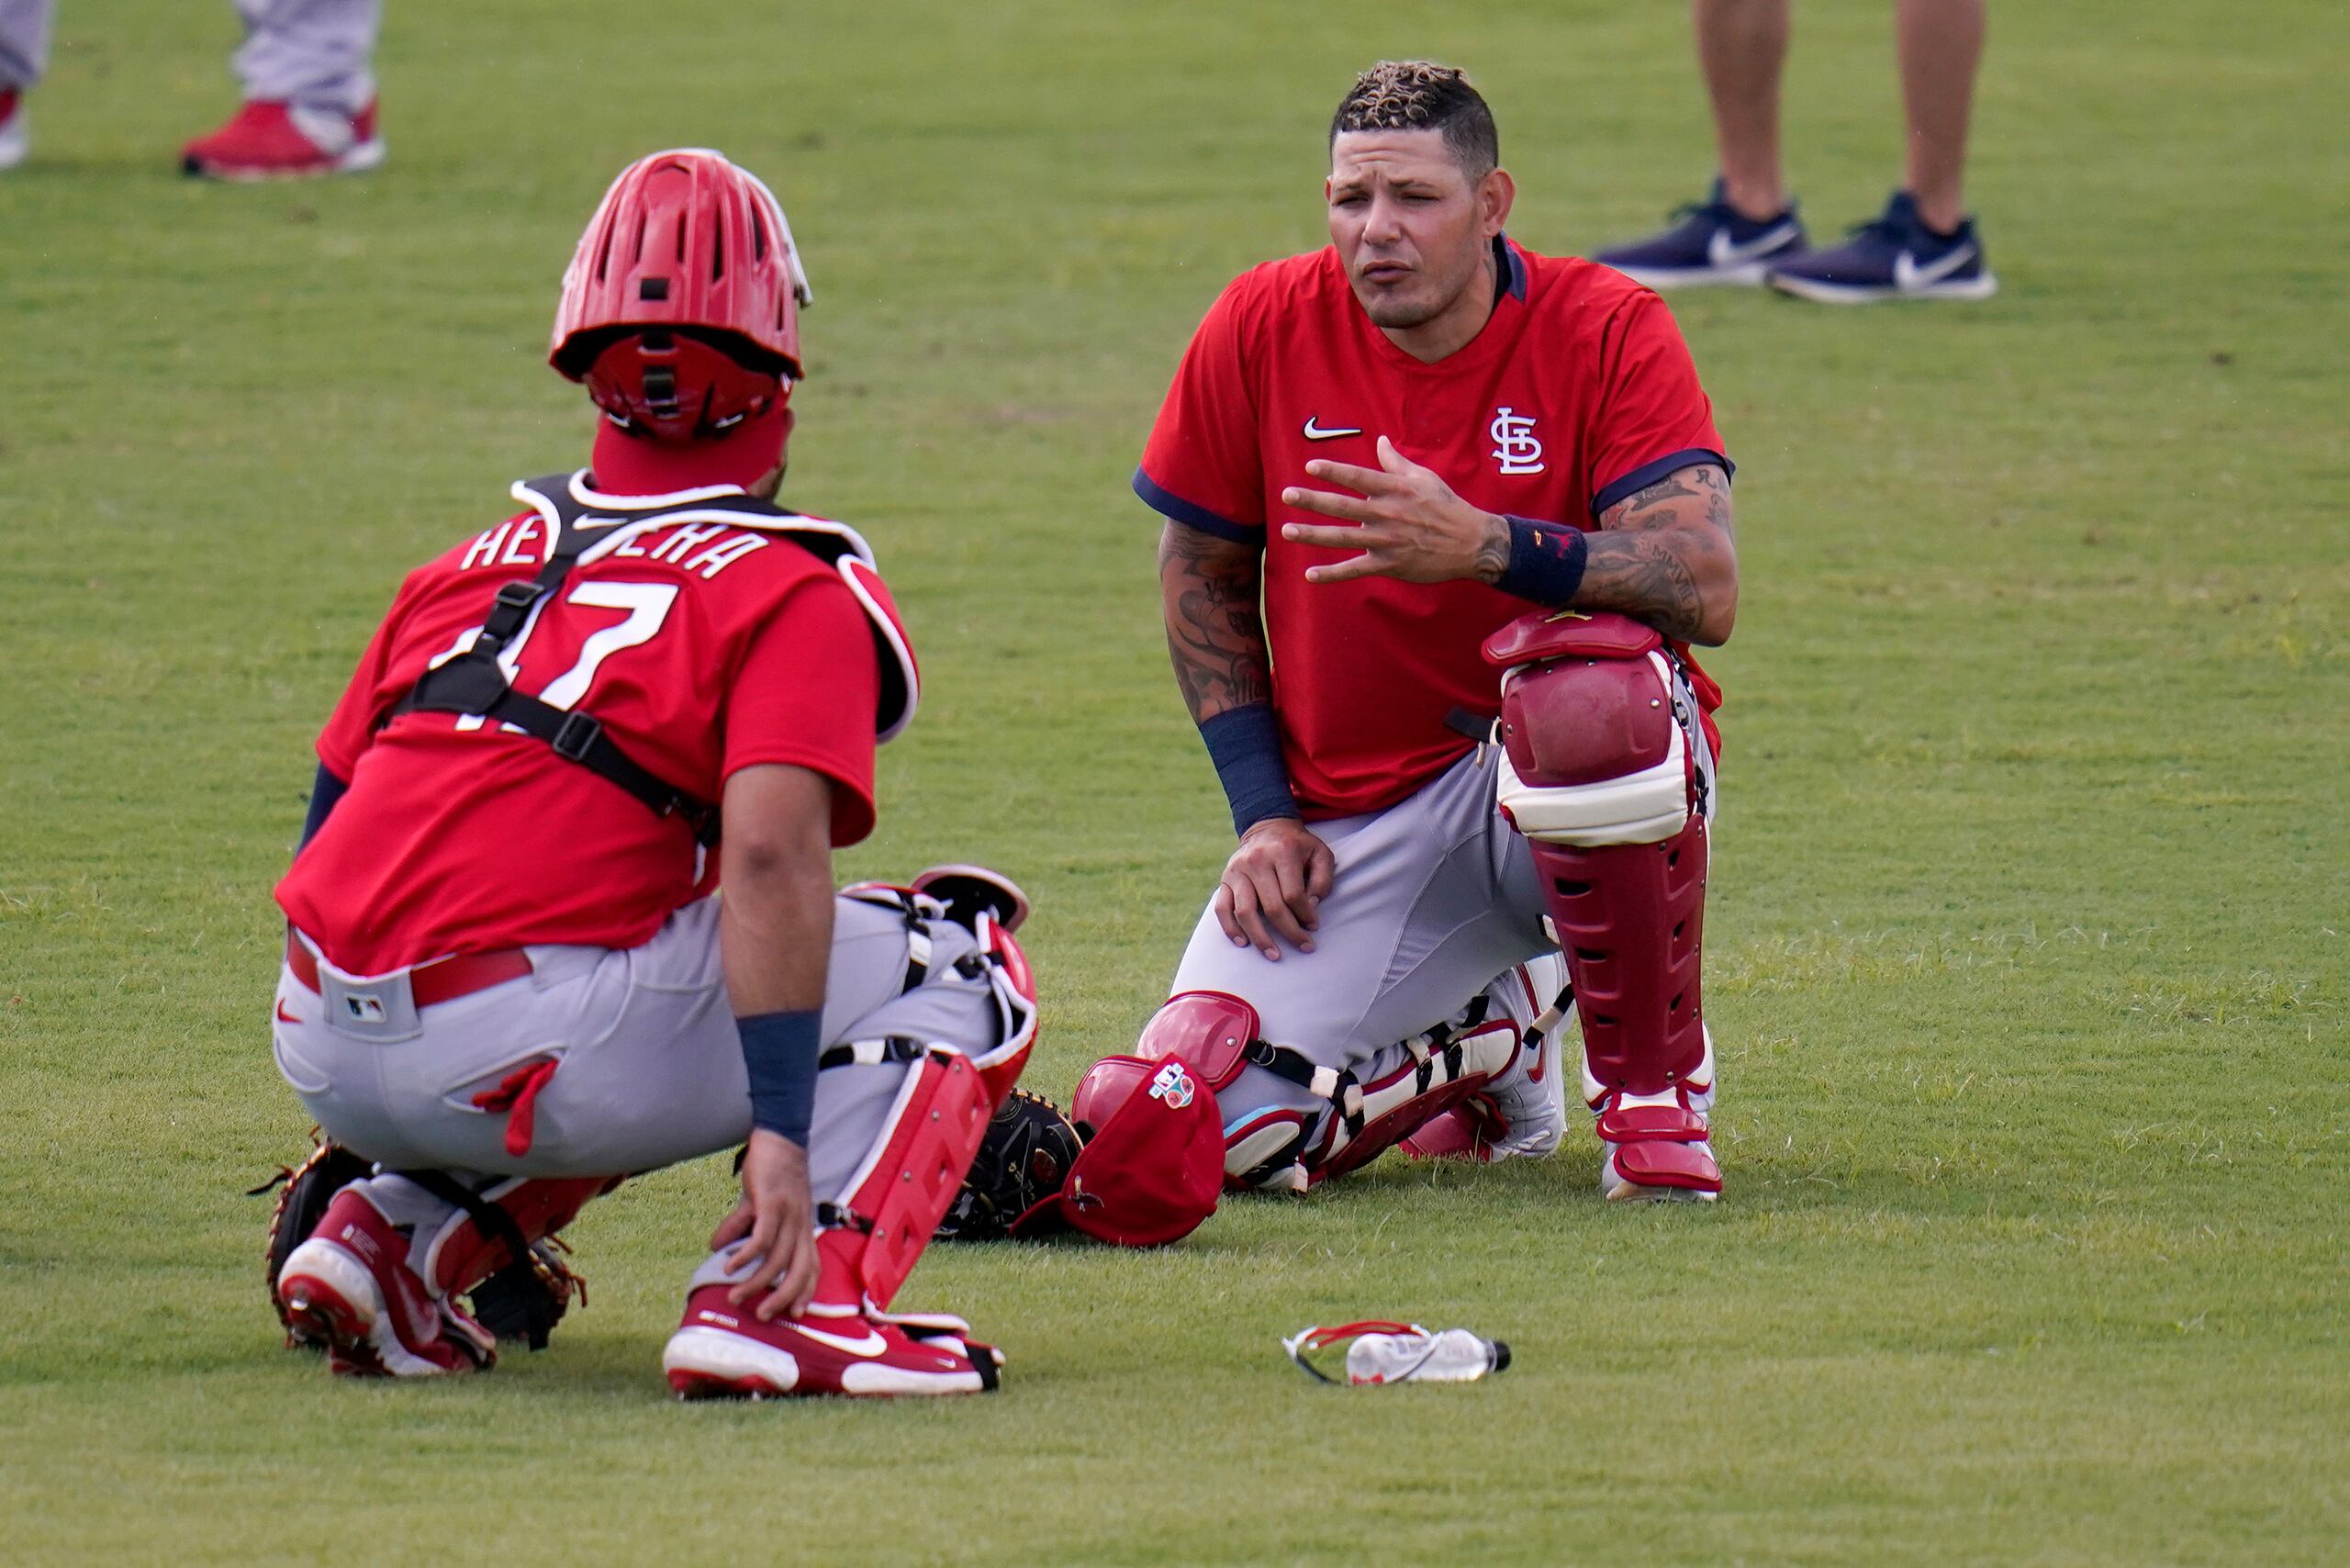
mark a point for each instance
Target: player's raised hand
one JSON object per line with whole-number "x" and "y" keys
{"x": 776, "y": 1223}
{"x": 1273, "y": 887}
{"x": 1406, "y": 521}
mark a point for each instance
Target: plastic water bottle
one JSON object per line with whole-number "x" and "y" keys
{"x": 1455, "y": 1355}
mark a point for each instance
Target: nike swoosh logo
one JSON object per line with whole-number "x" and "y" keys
{"x": 1723, "y": 252}
{"x": 871, "y": 1345}
{"x": 1316, "y": 432}
{"x": 284, "y": 1017}
{"x": 1908, "y": 275}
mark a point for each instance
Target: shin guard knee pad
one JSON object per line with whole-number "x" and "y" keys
{"x": 1600, "y": 772}
{"x": 876, "y": 1230}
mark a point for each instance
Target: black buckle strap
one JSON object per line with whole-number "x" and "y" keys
{"x": 1475, "y": 726}
{"x": 1280, "y": 1061}
{"x": 835, "y": 1217}
{"x": 894, "y": 1048}
{"x": 577, "y": 736}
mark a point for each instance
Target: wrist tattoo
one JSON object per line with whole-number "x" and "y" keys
{"x": 1493, "y": 552}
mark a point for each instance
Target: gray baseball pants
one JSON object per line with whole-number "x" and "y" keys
{"x": 1435, "y": 896}
{"x": 306, "y": 52}
{"x": 650, "y": 1066}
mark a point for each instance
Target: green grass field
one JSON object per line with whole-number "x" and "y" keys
{"x": 2032, "y": 919}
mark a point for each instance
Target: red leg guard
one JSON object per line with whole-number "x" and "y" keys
{"x": 893, "y": 1204}
{"x": 1631, "y": 919}
{"x": 1606, "y": 771}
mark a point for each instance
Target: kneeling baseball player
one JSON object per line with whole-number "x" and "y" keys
{"x": 1442, "y": 518}
{"x": 508, "y": 983}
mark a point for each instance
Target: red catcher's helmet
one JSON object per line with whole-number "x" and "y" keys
{"x": 681, "y": 309}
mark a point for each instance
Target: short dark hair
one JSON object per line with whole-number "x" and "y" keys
{"x": 1420, "y": 95}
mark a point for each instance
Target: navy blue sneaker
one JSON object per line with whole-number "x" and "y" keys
{"x": 1711, "y": 243}
{"x": 1892, "y": 257}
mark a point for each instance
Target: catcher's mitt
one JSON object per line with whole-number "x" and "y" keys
{"x": 521, "y": 1302}
{"x": 1023, "y": 1157}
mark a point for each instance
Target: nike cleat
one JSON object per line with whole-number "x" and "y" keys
{"x": 723, "y": 1351}
{"x": 349, "y": 1287}
{"x": 1894, "y": 256}
{"x": 1712, "y": 243}
{"x": 267, "y": 139}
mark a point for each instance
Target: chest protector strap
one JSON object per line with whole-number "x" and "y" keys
{"x": 583, "y": 524}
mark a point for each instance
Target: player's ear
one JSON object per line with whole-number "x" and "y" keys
{"x": 1495, "y": 194}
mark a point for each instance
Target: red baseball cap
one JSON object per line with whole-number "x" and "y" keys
{"x": 1154, "y": 1166}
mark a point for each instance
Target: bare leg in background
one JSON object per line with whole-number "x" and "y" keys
{"x": 1742, "y": 44}
{"x": 1940, "y": 43}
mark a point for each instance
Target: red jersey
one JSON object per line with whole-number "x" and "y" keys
{"x": 1577, "y": 392}
{"x": 703, "y": 647}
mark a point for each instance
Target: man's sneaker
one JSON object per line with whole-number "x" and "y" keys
{"x": 723, "y": 1351}
{"x": 1712, "y": 243}
{"x": 1894, "y": 256}
{"x": 349, "y": 1287}
{"x": 268, "y": 140}
{"x": 15, "y": 135}
{"x": 1524, "y": 1115}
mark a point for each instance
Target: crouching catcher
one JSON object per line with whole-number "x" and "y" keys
{"x": 508, "y": 982}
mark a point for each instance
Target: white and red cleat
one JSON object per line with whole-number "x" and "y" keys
{"x": 268, "y": 140}
{"x": 1658, "y": 1146}
{"x": 350, "y": 1287}
{"x": 16, "y": 135}
{"x": 723, "y": 1351}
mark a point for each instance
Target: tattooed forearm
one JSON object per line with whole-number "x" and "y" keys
{"x": 1215, "y": 634}
{"x": 1668, "y": 554}
{"x": 1643, "y": 575}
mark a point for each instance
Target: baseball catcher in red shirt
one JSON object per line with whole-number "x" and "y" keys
{"x": 1442, "y": 517}
{"x": 508, "y": 981}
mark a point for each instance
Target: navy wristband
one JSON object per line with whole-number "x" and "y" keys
{"x": 779, "y": 1052}
{"x": 324, "y": 793}
{"x": 1246, "y": 745}
{"x": 1546, "y": 563}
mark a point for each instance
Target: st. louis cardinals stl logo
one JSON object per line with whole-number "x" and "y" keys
{"x": 1515, "y": 448}
{"x": 1172, "y": 1085}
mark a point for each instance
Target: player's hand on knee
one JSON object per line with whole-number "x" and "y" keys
{"x": 1273, "y": 887}
{"x": 775, "y": 1223}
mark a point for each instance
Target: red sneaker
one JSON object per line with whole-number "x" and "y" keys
{"x": 350, "y": 1286}
{"x": 14, "y": 140}
{"x": 268, "y": 140}
{"x": 723, "y": 1351}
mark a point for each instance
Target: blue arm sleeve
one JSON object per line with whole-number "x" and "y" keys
{"x": 780, "y": 1051}
{"x": 324, "y": 793}
{"x": 1246, "y": 743}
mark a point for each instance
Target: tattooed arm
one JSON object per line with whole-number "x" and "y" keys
{"x": 1208, "y": 589}
{"x": 1665, "y": 555}
{"x": 1668, "y": 555}
{"x": 1272, "y": 886}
